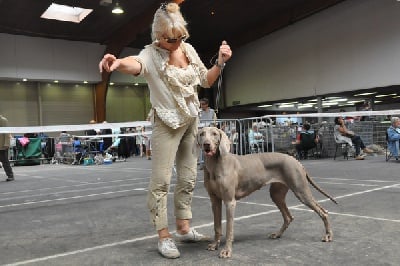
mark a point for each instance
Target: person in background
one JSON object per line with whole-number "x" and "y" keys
{"x": 139, "y": 142}
{"x": 65, "y": 137}
{"x": 393, "y": 134}
{"x": 207, "y": 114}
{"x": 107, "y": 141}
{"x": 207, "y": 118}
{"x": 4, "y": 146}
{"x": 307, "y": 140}
{"x": 256, "y": 138}
{"x": 92, "y": 132}
{"x": 173, "y": 71}
{"x": 147, "y": 143}
{"x": 234, "y": 138}
{"x": 366, "y": 107}
{"x": 342, "y": 134}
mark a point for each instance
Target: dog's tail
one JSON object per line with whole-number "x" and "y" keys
{"x": 319, "y": 189}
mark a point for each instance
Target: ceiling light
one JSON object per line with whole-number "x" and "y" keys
{"x": 117, "y": 9}
{"x": 66, "y": 13}
{"x": 305, "y": 106}
{"x": 286, "y": 105}
{"x": 329, "y": 103}
{"x": 365, "y": 93}
{"x": 355, "y": 101}
{"x": 265, "y": 105}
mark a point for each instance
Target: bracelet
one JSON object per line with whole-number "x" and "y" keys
{"x": 219, "y": 65}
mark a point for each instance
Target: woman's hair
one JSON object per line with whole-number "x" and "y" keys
{"x": 337, "y": 120}
{"x": 168, "y": 21}
{"x": 394, "y": 120}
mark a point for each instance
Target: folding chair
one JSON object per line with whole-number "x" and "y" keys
{"x": 345, "y": 147}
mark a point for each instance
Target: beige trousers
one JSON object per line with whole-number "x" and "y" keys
{"x": 171, "y": 146}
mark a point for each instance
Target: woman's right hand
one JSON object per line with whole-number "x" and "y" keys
{"x": 109, "y": 63}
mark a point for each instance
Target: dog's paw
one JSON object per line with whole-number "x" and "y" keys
{"x": 213, "y": 246}
{"x": 327, "y": 238}
{"x": 274, "y": 236}
{"x": 225, "y": 253}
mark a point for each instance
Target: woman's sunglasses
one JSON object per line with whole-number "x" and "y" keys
{"x": 174, "y": 40}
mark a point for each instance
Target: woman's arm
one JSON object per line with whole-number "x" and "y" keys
{"x": 393, "y": 135}
{"x": 127, "y": 65}
{"x": 224, "y": 55}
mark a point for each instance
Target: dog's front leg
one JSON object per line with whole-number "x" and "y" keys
{"x": 217, "y": 212}
{"x": 226, "y": 252}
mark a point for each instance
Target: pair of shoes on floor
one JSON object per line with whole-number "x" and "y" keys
{"x": 191, "y": 236}
{"x": 168, "y": 249}
{"x": 10, "y": 178}
{"x": 359, "y": 157}
{"x": 367, "y": 150}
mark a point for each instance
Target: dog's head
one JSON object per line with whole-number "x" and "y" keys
{"x": 211, "y": 140}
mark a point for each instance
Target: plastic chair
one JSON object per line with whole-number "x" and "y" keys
{"x": 345, "y": 149}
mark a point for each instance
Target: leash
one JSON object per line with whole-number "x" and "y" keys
{"x": 219, "y": 86}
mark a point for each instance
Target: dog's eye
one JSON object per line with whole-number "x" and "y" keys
{"x": 215, "y": 133}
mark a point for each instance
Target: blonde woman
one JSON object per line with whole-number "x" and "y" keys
{"x": 173, "y": 71}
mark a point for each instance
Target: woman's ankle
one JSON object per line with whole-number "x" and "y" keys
{"x": 164, "y": 233}
{"x": 182, "y": 226}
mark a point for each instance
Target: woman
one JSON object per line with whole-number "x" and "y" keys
{"x": 342, "y": 134}
{"x": 173, "y": 71}
{"x": 393, "y": 137}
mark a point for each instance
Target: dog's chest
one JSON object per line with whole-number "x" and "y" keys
{"x": 219, "y": 184}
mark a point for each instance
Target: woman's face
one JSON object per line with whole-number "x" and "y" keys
{"x": 171, "y": 44}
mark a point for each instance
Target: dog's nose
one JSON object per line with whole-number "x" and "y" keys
{"x": 206, "y": 146}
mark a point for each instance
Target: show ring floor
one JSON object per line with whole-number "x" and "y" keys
{"x": 97, "y": 215}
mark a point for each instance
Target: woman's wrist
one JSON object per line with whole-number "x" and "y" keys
{"x": 219, "y": 65}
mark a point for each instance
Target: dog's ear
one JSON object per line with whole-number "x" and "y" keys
{"x": 224, "y": 144}
{"x": 196, "y": 144}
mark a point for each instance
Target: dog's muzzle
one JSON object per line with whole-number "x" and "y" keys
{"x": 206, "y": 147}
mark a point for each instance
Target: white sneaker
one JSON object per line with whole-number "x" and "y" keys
{"x": 168, "y": 249}
{"x": 191, "y": 236}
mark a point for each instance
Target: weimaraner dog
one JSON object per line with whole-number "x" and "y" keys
{"x": 229, "y": 177}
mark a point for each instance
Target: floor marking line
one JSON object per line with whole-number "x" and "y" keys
{"x": 351, "y": 215}
{"x": 75, "y": 197}
{"x": 78, "y": 185}
{"x": 55, "y": 256}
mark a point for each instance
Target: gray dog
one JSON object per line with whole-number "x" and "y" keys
{"x": 229, "y": 177}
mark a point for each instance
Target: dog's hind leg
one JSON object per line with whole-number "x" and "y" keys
{"x": 306, "y": 197}
{"x": 278, "y": 193}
